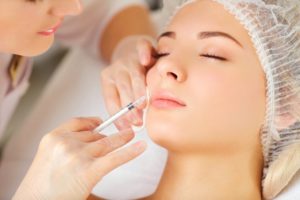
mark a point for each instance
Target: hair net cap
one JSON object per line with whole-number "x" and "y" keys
{"x": 274, "y": 27}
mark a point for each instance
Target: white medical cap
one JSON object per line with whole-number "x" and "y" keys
{"x": 274, "y": 27}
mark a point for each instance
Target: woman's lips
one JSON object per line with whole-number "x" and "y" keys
{"x": 166, "y": 100}
{"x": 50, "y": 31}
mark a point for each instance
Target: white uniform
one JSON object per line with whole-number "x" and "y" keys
{"x": 9, "y": 97}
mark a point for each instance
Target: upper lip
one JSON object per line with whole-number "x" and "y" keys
{"x": 54, "y": 27}
{"x": 166, "y": 95}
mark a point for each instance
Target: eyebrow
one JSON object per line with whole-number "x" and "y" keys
{"x": 203, "y": 35}
{"x": 169, "y": 34}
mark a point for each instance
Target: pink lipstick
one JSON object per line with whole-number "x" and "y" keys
{"x": 166, "y": 100}
{"x": 49, "y": 31}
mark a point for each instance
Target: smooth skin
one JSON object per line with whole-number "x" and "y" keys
{"x": 214, "y": 139}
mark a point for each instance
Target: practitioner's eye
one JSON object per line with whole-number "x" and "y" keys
{"x": 212, "y": 56}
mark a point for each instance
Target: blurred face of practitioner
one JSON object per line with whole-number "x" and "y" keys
{"x": 27, "y": 27}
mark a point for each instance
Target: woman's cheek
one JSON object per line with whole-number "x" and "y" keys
{"x": 208, "y": 83}
{"x": 152, "y": 77}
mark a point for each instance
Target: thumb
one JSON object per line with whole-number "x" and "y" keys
{"x": 146, "y": 53}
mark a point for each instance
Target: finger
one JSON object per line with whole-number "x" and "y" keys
{"x": 79, "y": 124}
{"x": 123, "y": 84}
{"x": 105, "y": 164}
{"x": 138, "y": 82}
{"x": 138, "y": 79}
{"x": 87, "y": 136}
{"x": 110, "y": 93}
{"x": 122, "y": 124}
{"x": 116, "y": 92}
{"x": 112, "y": 100}
{"x": 110, "y": 143}
{"x": 138, "y": 85}
{"x": 146, "y": 53}
{"x": 140, "y": 114}
{"x": 153, "y": 59}
{"x": 113, "y": 105}
{"x": 126, "y": 95}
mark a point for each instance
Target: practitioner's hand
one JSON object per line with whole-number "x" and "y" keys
{"x": 72, "y": 159}
{"x": 125, "y": 79}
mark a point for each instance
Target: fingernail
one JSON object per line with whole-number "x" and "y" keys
{"x": 140, "y": 146}
{"x": 137, "y": 122}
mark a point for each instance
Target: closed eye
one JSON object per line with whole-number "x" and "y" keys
{"x": 211, "y": 56}
{"x": 33, "y": 1}
{"x": 159, "y": 55}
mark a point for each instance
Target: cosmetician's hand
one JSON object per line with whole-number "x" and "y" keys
{"x": 72, "y": 159}
{"x": 125, "y": 79}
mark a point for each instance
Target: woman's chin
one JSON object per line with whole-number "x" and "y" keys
{"x": 38, "y": 51}
{"x": 163, "y": 133}
{"x": 35, "y": 49}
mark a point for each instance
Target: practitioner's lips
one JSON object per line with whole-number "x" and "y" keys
{"x": 50, "y": 31}
{"x": 166, "y": 100}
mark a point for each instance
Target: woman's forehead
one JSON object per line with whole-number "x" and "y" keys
{"x": 199, "y": 14}
{"x": 207, "y": 16}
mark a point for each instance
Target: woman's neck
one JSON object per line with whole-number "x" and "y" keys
{"x": 211, "y": 177}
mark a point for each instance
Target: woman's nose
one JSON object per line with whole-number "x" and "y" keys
{"x": 62, "y": 8}
{"x": 170, "y": 68}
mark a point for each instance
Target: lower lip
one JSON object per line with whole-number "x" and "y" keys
{"x": 49, "y": 32}
{"x": 166, "y": 104}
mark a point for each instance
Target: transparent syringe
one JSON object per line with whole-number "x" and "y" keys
{"x": 119, "y": 114}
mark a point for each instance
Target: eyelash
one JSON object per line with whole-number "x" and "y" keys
{"x": 214, "y": 57}
{"x": 159, "y": 55}
{"x": 31, "y": 1}
{"x": 211, "y": 56}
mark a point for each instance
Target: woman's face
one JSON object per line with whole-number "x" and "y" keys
{"x": 208, "y": 87}
{"x": 27, "y": 27}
